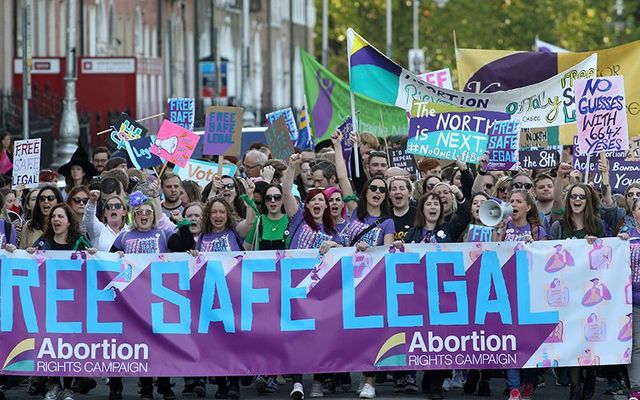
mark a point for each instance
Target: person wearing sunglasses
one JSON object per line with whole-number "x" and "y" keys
{"x": 230, "y": 188}
{"x": 145, "y": 237}
{"x": 616, "y": 217}
{"x": 77, "y": 200}
{"x": 47, "y": 197}
{"x": 114, "y": 219}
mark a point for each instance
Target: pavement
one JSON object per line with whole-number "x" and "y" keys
{"x": 384, "y": 391}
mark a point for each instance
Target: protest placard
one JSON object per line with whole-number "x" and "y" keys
{"x": 503, "y": 146}
{"x": 399, "y": 158}
{"x": 534, "y": 159}
{"x": 440, "y": 78}
{"x": 346, "y": 127}
{"x": 126, "y": 128}
{"x": 277, "y": 136}
{"x": 222, "y": 131}
{"x": 601, "y": 115}
{"x": 140, "y": 154}
{"x": 290, "y": 121}
{"x": 479, "y": 233}
{"x": 202, "y": 172}
{"x": 26, "y": 163}
{"x": 174, "y": 143}
{"x": 529, "y": 320}
{"x": 181, "y": 111}
{"x": 421, "y": 108}
{"x": 534, "y": 137}
{"x": 450, "y": 135}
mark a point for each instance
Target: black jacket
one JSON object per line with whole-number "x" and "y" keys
{"x": 448, "y": 232}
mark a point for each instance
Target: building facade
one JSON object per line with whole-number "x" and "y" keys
{"x": 134, "y": 54}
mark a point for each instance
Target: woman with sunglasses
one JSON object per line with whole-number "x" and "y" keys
{"x": 48, "y": 196}
{"x": 580, "y": 220}
{"x": 114, "y": 218}
{"x": 614, "y": 217}
{"x": 146, "y": 238}
{"x": 524, "y": 225}
{"x": 502, "y": 188}
{"x": 77, "y": 200}
{"x": 230, "y": 189}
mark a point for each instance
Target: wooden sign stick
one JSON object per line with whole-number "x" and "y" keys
{"x": 605, "y": 175}
{"x": 220, "y": 164}
{"x": 138, "y": 120}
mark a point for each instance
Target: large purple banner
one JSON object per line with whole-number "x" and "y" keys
{"x": 475, "y": 305}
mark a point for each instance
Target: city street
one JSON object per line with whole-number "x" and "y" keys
{"x": 385, "y": 391}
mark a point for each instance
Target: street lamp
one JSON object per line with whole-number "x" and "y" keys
{"x": 69, "y": 125}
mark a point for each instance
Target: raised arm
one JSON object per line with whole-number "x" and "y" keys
{"x": 246, "y": 224}
{"x": 290, "y": 203}
{"x": 558, "y": 188}
{"x": 341, "y": 171}
{"x": 92, "y": 223}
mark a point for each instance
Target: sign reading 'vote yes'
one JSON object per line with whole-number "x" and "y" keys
{"x": 222, "y": 131}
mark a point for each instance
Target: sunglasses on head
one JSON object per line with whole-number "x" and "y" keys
{"x": 522, "y": 185}
{"x": 376, "y": 188}
{"x": 273, "y": 197}
{"x": 83, "y": 200}
{"x": 114, "y": 206}
{"x": 48, "y": 198}
{"x": 576, "y": 196}
{"x": 143, "y": 213}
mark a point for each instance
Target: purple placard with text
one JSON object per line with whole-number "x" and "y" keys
{"x": 213, "y": 315}
{"x": 601, "y": 115}
{"x": 502, "y": 147}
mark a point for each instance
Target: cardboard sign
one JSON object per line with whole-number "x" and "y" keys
{"x": 290, "y": 120}
{"x": 202, "y": 172}
{"x": 140, "y": 153}
{"x": 399, "y": 158}
{"x": 26, "y": 163}
{"x": 440, "y": 78}
{"x": 503, "y": 146}
{"x": 534, "y": 137}
{"x": 278, "y": 139}
{"x": 601, "y": 115}
{"x": 125, "y": 129}
{"x": 181, "y": 111}
{"x": 174, "y": 143}
{"x": 479, "y": 233}
{"x": 534, "y": 159}
{"x": 222, "y": 131}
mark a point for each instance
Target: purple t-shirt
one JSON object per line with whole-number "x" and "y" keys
{"x": 522, "y": 233}
{"x": 136, "y": 242}
{"x": 341, "y": 231}
{"x": 375, "y": 236}
{"x": 227, "y": 240}
{"x": 306, "y": 237}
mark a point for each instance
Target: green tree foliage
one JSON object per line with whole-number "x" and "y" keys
{"x": 577, "y": 25}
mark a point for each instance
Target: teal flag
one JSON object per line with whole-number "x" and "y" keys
{"x": 329, "y": 104}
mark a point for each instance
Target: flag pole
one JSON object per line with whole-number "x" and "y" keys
{"x": 354, "y": 120}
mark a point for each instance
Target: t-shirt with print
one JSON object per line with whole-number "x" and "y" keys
{"x": 404, "y": 223}
{"x": 375, "y": 236}
{"x": 341, "y": 231}
{"x": 523, "y": 233}
{"x": 306, "y": 237}
{"x": 136, "y": 242}
{"x": 227, "y": 240}
{"x": 272, "y": 229}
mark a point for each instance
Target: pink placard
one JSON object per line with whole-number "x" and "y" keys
{"x": 174, "y": 143}
{"x": 601, "y": 115}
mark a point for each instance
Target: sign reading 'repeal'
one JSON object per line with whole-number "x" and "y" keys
{"x": 504, "y": 305}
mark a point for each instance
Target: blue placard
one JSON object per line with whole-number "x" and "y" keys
{"x": 140, "y": 153}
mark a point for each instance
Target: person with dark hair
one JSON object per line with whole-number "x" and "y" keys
{"x": 116, "y": 162}
{"x": 6, "y": 153}
{"x": 47, "y": 197}
{"x": 100, "y": 157}
{"x": 78, "y": 171}
{"x": 171, "y": 185}
{"x": 324, "y": 174}
{"x": 191, "y": 192}
{"x": 377, "y": 163}
{"x": 231, "y": 189}
{"x": 114, "y": 219}
{"x": 110, "y": 186}
{"x": 77, "y": 200}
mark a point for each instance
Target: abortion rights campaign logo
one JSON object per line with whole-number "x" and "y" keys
{"x": 21, "y": 357}
{"x": 395, "y": 360}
